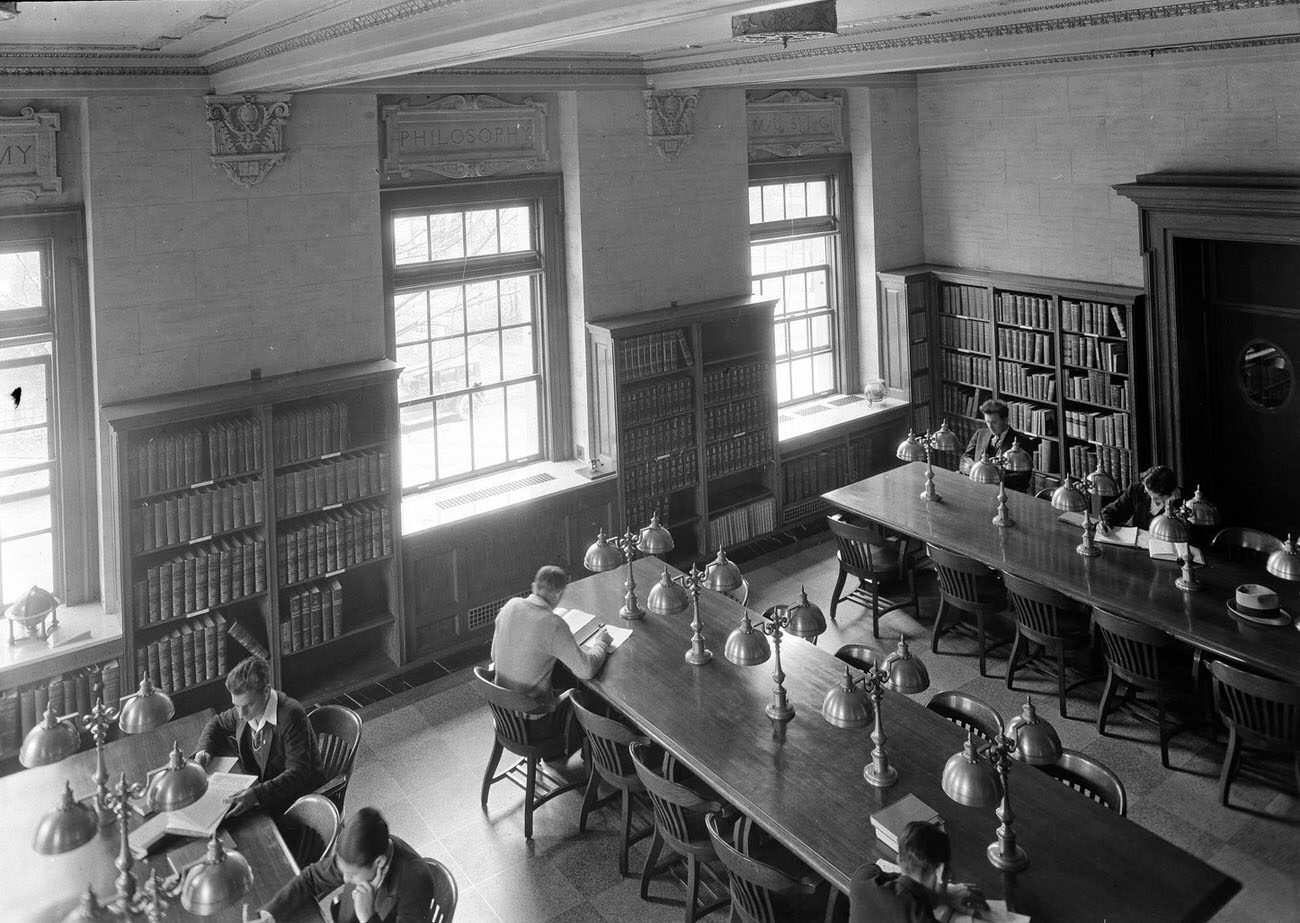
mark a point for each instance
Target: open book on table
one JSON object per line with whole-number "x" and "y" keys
{"x": 584, "y": 625}
{"x": 1133, "y": 537}
{"x": 203, "y": 817}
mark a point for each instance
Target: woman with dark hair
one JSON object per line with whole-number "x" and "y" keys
{"x": 383, "y": 879}
{"x": 1144, "y": 500}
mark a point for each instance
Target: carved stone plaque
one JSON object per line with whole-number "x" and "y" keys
{"x": 28, "y": 166}
{"x": 247, "y": 135}
{"x": 465, "y": 135}
{"x": 670, "y": 119}
{"x": 794, "y": 123}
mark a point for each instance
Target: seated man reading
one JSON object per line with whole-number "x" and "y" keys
{"x": 272, "y": 738}
{"x": 921, "y": 891}
{"x": 1143, "y": 500}
{"x": 998, "y": 437}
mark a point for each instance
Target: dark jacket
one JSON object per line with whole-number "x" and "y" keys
{"x": 1133, "y": 504}
{"x": 292, "y": 764}
{"x": 404, "y": 896}
{"x": 980, "y": 448}
{"x": 879, "y": 897}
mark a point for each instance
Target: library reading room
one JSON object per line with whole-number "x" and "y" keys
{"x": 714, "y": 460}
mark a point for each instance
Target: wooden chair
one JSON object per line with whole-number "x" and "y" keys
{"x": 310, "y": 828}
{"x": 1261, "y": 713}
{"x": 1050, "y": 619}
{"x": 1245, "y": 544}
{"x": 859, "y": 656}
{"x": 1145, "y": 658}
{"x": 969, "y": 712}
{"x": 443, "y": 906}
{"x": 515, "y": 730}
{"x": 1045, "y": 493}
{"x": 338, "y": 735}
{"x": 1090, "y": 777}
{"x": 760, "y": 892}
{"x": 679, "y": 822}
{"x": 967, "y": 586}
{"x": 608, "y": 742}
{"x": 864, "y": 553}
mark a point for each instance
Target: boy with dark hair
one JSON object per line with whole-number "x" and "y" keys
{"x": 920, "y": 892}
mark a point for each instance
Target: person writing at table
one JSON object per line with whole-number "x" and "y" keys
{"x": 383, "y": 879}
{"x": 920, "y": 891}
{"x": 272, "y": 738}
{"x": 997, "y": 437}
{"x": 1142, "y": 501}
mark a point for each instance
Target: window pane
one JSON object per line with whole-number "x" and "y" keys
{"x": 415, "y": 378}
{"x": 816, "y": 289}
{"x": 773, "y": 203}
{"x": 782, "y": 341}
{"x": 795, "y": 201}
{"x": 757, "y": 260}
{"x": 419, "y": 463}
{"x": 481, "y": 232}
{"x": 21, "y": 517}
{"x": 22, "y": 483}
{"x": 24, "y": 563}
{"x": 411, "y": 240}
{"x": 481, "y": 305}
{"x": 20, "y": 281}
{"x": 794, "y": 294}
{"x": 516, "y": 229}
{"x": 484, "y": 358}
{"x": 449, "y": 365}
{"x": 517, "y": 300}
{"x": 798, "y": 335}
{"x": 522, "y": 414}
{"x": 775, "y": 288}
{"x": 411, "y": 316}
{"x": 489, "y": 410}
{"x": 782, "y": 382}
{"x": 453, "y": 438}
{"x": 821, "y": 330}
{"x": 446, "y": 237}
{"x": 815, "y": 251}
{"x": 755, "y": 205}
{"x": 446, "y": 311}
{"x": 823, "y": 372}
{"x": 818, "y": 198}
{"x": 801, "y": 382}
{"x": 517, "y": 349}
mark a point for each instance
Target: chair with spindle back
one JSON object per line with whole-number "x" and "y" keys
{"x": 1090, "y": 777}
{"x": 860, "y": 656}
{"x": 445, "y": 893}
{"x": 1045, "y": 493}
{"x": 515, "y": 730}
{"x": 1147, "y": 659}
{"x": 310, "y": 827}
{"x": 865, "y": 553}
{"x": 338, "y": 735}
{"x": 607, "y": 742}
{"x": 967, "y": 586}
{"x": 969, "y": 712}
{"x": 680, "y": 810}
{"x": 1260, "y": 712}
{"x": 1245, "y": 544}
{"x": 1051, "y": 620}
{"x": 760, "y": 891}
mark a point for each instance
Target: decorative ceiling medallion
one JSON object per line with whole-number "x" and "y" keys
{"x": 247, "y": 135}
{"x": 464, "y": 136}
{"x": 793, "y": 123}
{"x": 28, "y": 165}
{"x": 808, "y": 20}
{"x": 670, "y": 119}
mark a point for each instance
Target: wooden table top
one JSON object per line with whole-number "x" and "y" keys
{"x": 1039, "y": 547}
{"x": 802, "y": 780}
{"x": 42, "y": 889}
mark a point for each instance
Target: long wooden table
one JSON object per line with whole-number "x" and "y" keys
{"x": 802, "y": 780}
{"x": 1039, "y": 547}
{"x": 42, "y": 889}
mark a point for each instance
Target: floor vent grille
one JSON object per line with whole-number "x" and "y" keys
{"x": 473, "y": 496}
{"x": 812, "y": 409}
{"x": 845, "y": 399}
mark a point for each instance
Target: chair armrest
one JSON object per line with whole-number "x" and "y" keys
{"x": 332, "y": 785}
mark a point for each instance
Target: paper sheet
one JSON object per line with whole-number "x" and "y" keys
{"x": 222, "y": 764}
{"x": 204, "y": 816}
{"x": 1168, "y": 551}
{"x": 997, "y": 912}
{"x": 584, "y": 625}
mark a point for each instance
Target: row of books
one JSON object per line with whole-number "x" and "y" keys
{"x": 170, "y": 461}
{"x": 1105, "y": 428}
{"x": 743, "y": 523}
{"x": 736, "y": 417}
{"x": 653, "y": 354}
{"x": 1094, "y": 354}
{"x": 1034, "y": 419}
{"x": 204, "y": 576}
{"x": 966, "y": 300}
{"x": 1025, "y": 346}
{"x": 813, "y": 475}
{"x": 73, "y": 692}
{"x": 736, "y": 381}
{"x": 197, "y": 515}
{"x": 1025, "y": 382}
{"x": 342, "y": 538}
{"x": 1098, "y": 388}
{"x": 640, "y": 510}
{"x": 191, "y": 654}
{"x": 738, "y": 453}
{"x": 646, "y": 403}
{"x": 973, "y": 370}
{"x": 647, "y": 442}
{"x": 1093, "y": 317}
{"x": 1084, "y": 459}
{"x": 1046, "y": 456}
{"x": 1024, "y": 310}
{"x": 310, "y": 432}
{"x": 335, "y": 481}
{"x": 662, "y": 475}
{"x": 960, "y": 401}
{"x": 920, "y": 389}
{"x": 919, "y": 356}
{"x": 315, "y": 616}
{"x": 964, "y": 333}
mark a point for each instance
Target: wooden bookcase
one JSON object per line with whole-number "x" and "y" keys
{"x": 261, "y": 517}
{"x": 1059, "y": 352}
{"x": 683, "y": 409}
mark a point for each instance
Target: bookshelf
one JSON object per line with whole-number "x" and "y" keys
{"x": 683, "y": 409}
{"x": 1057, "y": 351}
{"x": 68, "y": 692}
{"x": 261, "y": 518}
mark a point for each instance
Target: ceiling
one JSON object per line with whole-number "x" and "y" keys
{"x": 240, "y": 46}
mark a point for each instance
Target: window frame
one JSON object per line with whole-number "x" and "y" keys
{"x": 555, "y": 423}
{"x": 842, "y": 286}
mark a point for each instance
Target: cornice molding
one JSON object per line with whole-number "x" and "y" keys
{"x": 19, "y": 70}
{"x": 1128, "y": 53}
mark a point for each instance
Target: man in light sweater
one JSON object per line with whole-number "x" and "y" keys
{"x": 530, "y": 638}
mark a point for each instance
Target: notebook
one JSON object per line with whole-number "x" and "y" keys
{"x": 584, "y": 625}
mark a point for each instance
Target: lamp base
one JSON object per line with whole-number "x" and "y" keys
{"x": 1011, "y": 862}
{"x": 886, "y": 777}
{"x": 631, "y": 615}
{"x": 1188, "y": 583}
{"x": 699, "y": 658}
{"x": 1003, "y": 520}
{"x": 932, "y": 495}
{"x": 784, "y": 713}
{"x": 1088, "y": 550}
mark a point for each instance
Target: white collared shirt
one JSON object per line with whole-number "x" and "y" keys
{"x": 269, "y": 714}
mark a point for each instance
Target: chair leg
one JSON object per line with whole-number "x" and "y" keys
{"x": 1015, "y": 655}
{"x": 875, "y": 609}
{"x": 1160, "y": 728}
{"x": 627, "y": 832}
{"x": 911, "y": 585}
{"x": 1060, "y": 676}
{"x": 1229, "y": 759}
{"x": 651, "y": 860}
{"x": 589, "y": 799}
{"x": 530, "y": 794}
{"x": 937, "y": 628}
{"x": 692, "y": 886}
{"x": 1105, "y": 700}
{"x": 979, "y": 628}
{"x": 835, "y": 594}
{"x": 493, "y": 759}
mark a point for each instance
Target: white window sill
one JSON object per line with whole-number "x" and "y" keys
{"x": 793, "y": 425}
{"x": 442, "y": 506}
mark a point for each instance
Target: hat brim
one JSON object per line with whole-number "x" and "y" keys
{"x": 1274, "y": 616}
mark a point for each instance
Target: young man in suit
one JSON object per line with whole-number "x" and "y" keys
{"x": 272, "y": 738}
{"x": 920, "y": 892}
{"x": 1144, "y": 500}
{"x": 997, "y": 437}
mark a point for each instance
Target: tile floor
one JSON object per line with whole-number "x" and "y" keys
{"x": 424, "y": 750}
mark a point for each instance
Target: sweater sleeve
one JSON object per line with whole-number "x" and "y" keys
{"x": 583, "y": 662}
{"x": 1120, "y": 510}
{"x": 219, "y": 729}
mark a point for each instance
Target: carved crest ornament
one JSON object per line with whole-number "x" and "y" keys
{"x": 670, "y": 119}
{"x": 247, "y": 135}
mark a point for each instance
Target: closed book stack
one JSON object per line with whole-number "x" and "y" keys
{"x": 10, "y": 723}
{"x": 890, "y": 822}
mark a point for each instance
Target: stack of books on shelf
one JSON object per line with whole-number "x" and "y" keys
{"x": 1023, "y": 382}
{"x": 1025, "y": 346}
{"x": 1105, "y": 428}
{"x": 191, "y": 654}
{"x": 21, "y": 709}
{"x": 640, "y": 510}
{"x": 654, "y": 353}
{"x": 1098, "y": 388}
{"x": 964, "y": 333}
{"x": 743, "y": 523}
{"x": 738, "y": 453}
{"x": 197, "y": 515}
{"x": 1092, "y": 317}
{"x": 1024, "y": 310}
{"x": 330, "y": 482}
{"x": 1045, "y": 457}
{"x": 890, "y": 822}
{"x": 311, "y": 432}
{"x": 961, "y": 401}
{"x": 338, "y": 540}
{"x": 648, "y": 442}
{"x": 735, "y": 381}
{"x": 1116, "y": 461}
{"x": 814, "y": 474}
{"x": 970, "y": 370}
{"x": 920, "y": 388}
{"x": 1087, "y": 352}
{"x": 315, "y": 616}
{"x": 212, "y": 574}
{"x": 736, "y": 417}
{"x": 919, "y": 356}
{"x": 1031, "y": 418}
{"x": 661, "y": 475}
{"x": 646, "y": 403}
{"x": 170, "y": 461}
{"x": 967, "y": 301}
